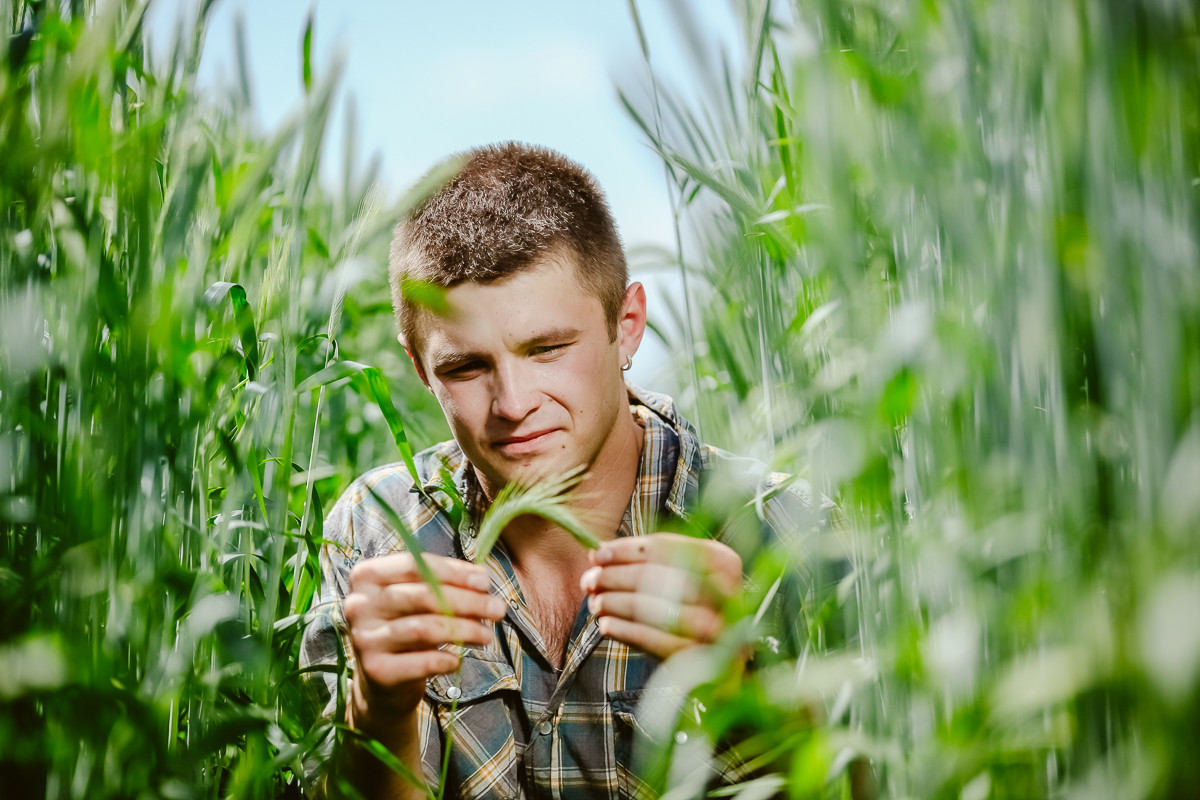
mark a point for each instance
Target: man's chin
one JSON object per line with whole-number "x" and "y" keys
{"x": 532, "y": 470}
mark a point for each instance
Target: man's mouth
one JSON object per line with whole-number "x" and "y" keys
{"x": 524, "y": 443}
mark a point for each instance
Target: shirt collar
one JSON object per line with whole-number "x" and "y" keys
{"x": 686, "y": 485}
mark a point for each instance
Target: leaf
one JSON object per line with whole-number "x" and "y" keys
{"x": 641, "y": 30}
{"x": 334, "y": 372}
{"x": 784, "y": 213}
{"x": 290, "y": 620}
{"x": 242, "y": 315}
{"x": 219, "y": 187}
{"x": 388, "y": 759}
{"x": 458, "y": 508}
{"x": 370, "y": 381}
{"x": 757, "y": 789}
{"x": 545, "y": 498}
{"x": 373, "y": 383}
{"x": 246, "y": 182}
{"x": 132, "y": 29}
{"x": 241, "y": 61}
{"x": 424, "y": 294}
{"x": 307, "y": 52}
{"x": 318, "y": 244}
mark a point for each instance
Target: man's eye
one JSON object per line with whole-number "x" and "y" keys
{"x": 548, "y": 349}
{"x": 462, "y": 370}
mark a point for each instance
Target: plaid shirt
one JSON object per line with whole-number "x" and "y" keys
{"x": 518, "y": 727}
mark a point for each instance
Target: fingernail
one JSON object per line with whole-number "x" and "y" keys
{"x": 496, "y": 607}
{"x": 587, "y": 581}
{"x": 593, "y": 603}
{"x": 479, "y": 581}
{"x": 603, "y": 555}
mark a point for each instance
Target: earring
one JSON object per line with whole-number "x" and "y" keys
{"x": 628, "y": 363}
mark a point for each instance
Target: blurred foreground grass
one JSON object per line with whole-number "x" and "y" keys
{"x": 170, "y": 278}
{"x": 943, "y": 264}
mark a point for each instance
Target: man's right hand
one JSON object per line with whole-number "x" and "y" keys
{"x": 397, "y": 625}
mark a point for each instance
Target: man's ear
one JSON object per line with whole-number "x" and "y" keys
{"x": 416, "y": 362}
{"x": 631, "y": 323}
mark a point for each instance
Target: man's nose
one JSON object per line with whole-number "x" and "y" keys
{"x": 514, "y": 396}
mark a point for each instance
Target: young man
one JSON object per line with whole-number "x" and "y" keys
{"x": 533, "y": 666}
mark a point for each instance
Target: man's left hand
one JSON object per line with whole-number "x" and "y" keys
{"x": 662, "y": 592}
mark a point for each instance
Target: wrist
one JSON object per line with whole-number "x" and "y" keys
{"x": 381, "y": 756}
{"x": 389, "y": 719}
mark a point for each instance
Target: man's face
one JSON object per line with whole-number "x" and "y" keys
{"x": 527, "y": 373}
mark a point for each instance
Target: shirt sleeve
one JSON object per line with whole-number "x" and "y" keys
{"x": 355, "y": 529}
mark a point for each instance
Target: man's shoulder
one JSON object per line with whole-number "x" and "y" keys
{"x": 367, "y": 514}
{"x": 756, "y": 480}
{"x": 720, "y": 481}
{"x": 729, "y": 481}
{"x": 396, "y": 485}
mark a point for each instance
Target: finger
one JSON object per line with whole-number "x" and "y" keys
{"x": 403, "y": 599}
{"x": 697, "y": 622}
{"x": 644, "y": 637}
{"x": 402, "y": 568}
{"x": 715, "y": 562}
{"x": 390, "y": 669}
{"x": 656, "y": 579}
{"x": 421, "y": 632}
{"x": 659, "y": 547}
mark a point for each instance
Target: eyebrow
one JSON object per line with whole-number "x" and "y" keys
{"x": 450, "y": 356}
{"x": 555, "y": 335}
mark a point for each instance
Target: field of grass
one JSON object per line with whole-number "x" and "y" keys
{"x": 174, "y": 285}
{"x": 941, "y": 261}
{"x": 945, "y": 266}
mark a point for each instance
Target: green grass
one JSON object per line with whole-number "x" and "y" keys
{"x": 944, "y": 259}
{"x": 941, "y": 261}
{"x": 175, "y": 290}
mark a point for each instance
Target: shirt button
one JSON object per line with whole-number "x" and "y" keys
{"x": 545, "y": 728}
{"x": 681, "y": 737}
{"x": 454, "y": 692}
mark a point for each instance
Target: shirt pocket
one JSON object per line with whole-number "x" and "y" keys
{"x": 641, "y": 753}
{"x": 474, "y": 708}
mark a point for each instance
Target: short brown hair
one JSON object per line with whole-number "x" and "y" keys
{"x": 508, "y": 206}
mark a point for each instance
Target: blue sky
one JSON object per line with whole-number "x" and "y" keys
{"x": 431, "y": 78}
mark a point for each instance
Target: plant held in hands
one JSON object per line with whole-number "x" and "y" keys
{"x": 547, "y": 498}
